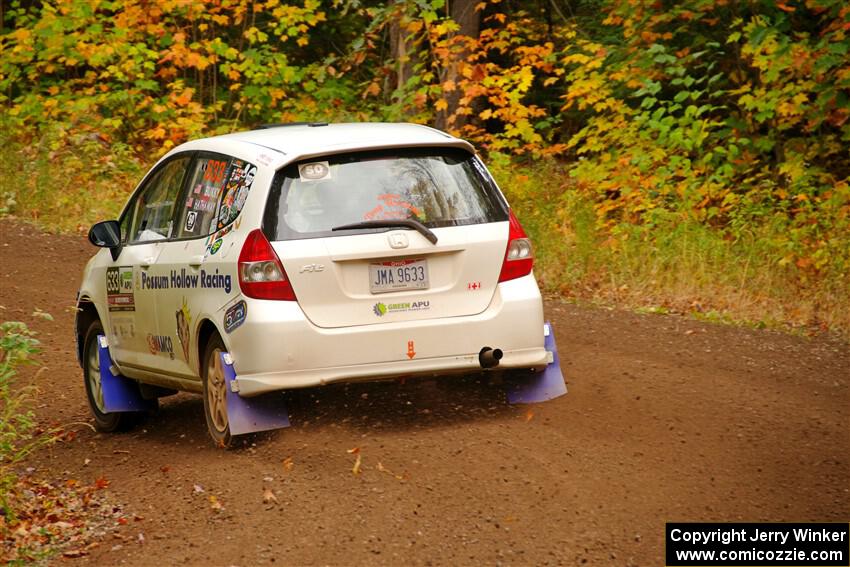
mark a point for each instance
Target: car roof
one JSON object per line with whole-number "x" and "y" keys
{"x": 310, "y": 139}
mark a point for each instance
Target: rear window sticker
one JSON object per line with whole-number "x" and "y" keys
{"x": 224, "y": 214}
{"x": 393, "y": 207}
{"x": 119, "y": 288}
{"x": 191, "y": 217}
{"x": 314, "y": 171}
{"x": 241, "y": 195}
{"x": 236, "y": 191}
{"x": 215, "y": 170}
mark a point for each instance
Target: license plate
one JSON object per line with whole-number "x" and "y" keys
{"x": 398, "y": 275}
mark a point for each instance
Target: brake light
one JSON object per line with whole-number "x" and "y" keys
{"x": 519, "y": 257}
{"x": 261, "y": 275}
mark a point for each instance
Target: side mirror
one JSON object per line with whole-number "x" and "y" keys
{"x": 107, "y": 234}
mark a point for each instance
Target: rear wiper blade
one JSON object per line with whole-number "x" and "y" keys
{"x": 390, "y": 223}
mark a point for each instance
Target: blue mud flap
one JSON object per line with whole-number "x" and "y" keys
{"x": 119, "y": 392}
{"x": 541, "y": 386}
{"x": 249, "y": 415}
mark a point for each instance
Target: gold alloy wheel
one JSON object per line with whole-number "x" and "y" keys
{"x": 95, "y": 385}
{"x": 216, "y": 391}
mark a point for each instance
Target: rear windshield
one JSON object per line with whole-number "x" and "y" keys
{"x": 437, "y": 186}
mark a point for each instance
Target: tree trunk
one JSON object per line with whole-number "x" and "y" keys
{"x": 469, "y": 21}
{"x": 401, "y": 54}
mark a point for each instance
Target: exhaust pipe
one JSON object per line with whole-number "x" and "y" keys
{"x": 490, "y": 357}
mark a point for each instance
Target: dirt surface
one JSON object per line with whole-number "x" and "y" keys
{"x": 666, "y": 419}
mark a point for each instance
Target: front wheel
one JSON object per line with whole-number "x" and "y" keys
{"x": 104, "y": 422}
{"x": 215, "y": 393}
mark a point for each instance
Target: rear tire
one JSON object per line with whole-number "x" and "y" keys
{"x": 215, "y": 393}
{"x": 104, "y": 422}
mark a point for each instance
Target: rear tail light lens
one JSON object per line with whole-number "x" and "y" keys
{"x": 261, "y": 275}
{"x": 519, "y": 257}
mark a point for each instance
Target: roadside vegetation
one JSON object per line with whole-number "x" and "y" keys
{"x": 40, "y": 519}
{"x": 688, "y": 156}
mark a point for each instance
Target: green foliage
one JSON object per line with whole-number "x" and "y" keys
{"x": 714, "y": 114}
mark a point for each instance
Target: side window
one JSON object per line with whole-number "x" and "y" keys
{"x": 129, "y": 212}
{"x": 153, "y": 209}
{"x": 206, "y": 182}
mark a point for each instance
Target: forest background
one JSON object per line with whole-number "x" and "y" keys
{"x": 687, "y": 156}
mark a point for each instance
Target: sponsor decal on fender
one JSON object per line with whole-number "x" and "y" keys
{"x": 158, "y": 344}
{"x": 119, "y": 288}
{"x": 235, "y": 316}
{"x": 184, "y": 321}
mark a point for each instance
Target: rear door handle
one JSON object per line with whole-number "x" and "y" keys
{"x": 196, "y": 261}
{"x": 146, "y": 262}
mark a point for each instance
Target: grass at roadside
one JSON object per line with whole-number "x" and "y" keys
{"x": 674, "y": 266}
{"x": 40, "y": 519}
{"x": 65, "y": 181}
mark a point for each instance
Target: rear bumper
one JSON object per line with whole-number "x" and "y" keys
{"x": 279, "y": 348}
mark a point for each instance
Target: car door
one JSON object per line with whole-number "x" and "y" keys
{"x": 199, "y": 259}
{"x": 131, "y": 282}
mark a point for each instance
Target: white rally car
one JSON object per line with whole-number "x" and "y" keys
{"x": 309, "y": 253}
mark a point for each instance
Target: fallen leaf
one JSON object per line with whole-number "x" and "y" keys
{"x": 288, "y": 464}
{"x": 215, "y": 504}
{"x": 689, "y": 332}
{"x": 529, "y": 415}
{"x": 164, "y": 468}
{"x": 86, "y": 462}
{"x": 122, "y": 521}
{"x": 198, "y": 488}
{"x": 268, "y": 496}
{"x": 101, "y": 483}
{"x": 75, "y": 553}
{"x": 141, "y": 537}
{"x": 356, "y": 468}
{"x": 380, "y": 467}
{"x": 354, "y": 451}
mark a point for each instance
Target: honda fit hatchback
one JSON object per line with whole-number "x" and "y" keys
{"x": 310, "y": 254}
